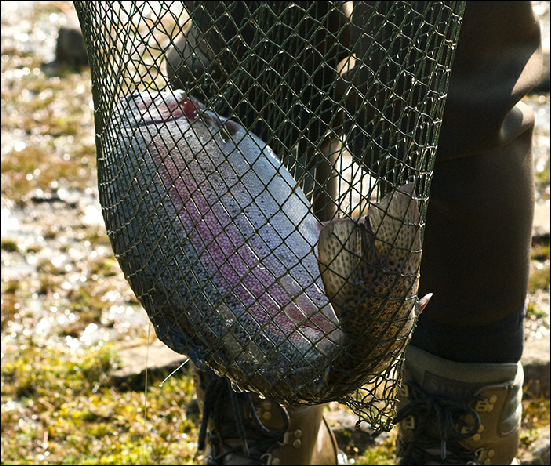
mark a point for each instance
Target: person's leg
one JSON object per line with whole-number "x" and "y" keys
{"x": 476, "y": 253}
{"x": 483, "y": 131}
{"x": 242, "y": 428}
{"x": 477, "y": 238}
{"x": 271, "y": 66}
{"x": 464, "y": 353}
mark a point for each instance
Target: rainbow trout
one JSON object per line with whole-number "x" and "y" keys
{"x": 218, "y": 242}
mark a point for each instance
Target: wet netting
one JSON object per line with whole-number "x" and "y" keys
{"x": 264, "y": 171}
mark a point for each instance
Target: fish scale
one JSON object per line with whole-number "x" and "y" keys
{"x": 371, "y": 280}
{"x": 221, "y": 248}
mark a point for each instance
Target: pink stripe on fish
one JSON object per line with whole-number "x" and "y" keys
{"x": 224, "y": 251}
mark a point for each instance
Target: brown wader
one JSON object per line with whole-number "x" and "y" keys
{"x": 461, "y": 398}
{"x": 462, "y": 379}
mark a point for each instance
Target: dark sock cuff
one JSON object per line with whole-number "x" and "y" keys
{"x": 498, "y": 342}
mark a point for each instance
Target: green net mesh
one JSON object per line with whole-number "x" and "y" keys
{"x": 264, "y": 169}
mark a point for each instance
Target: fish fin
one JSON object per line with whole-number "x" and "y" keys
{"x": 344, "y": 246}
{"x": 338, "y": 257}
{"x": 395, "y": 223}
{"x": 422, "y": 304}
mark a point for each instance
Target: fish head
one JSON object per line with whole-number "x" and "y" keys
{"x": 144, "y": 109}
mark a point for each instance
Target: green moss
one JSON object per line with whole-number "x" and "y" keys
{"x": 534, "y": 312}
{"x": 96, "y": 235}
{"x": 542, "y": 177}
{"x": 48, "y": 283}
{"x": 11, "y": 306}
{"x": 540, "y": 252}
{"x": 10, "y": 286}
{"x": 34, "y": 249}
{"x": 37, "y": 167}
{"x": 85, "y": 419}
{"x": 535, "y": 417}
{"x": 9, "y": 245}
{"x": 383, "y": 453}
{"x": 105, "y": 267}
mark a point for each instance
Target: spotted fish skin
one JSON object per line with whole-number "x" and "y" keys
{"x": 370, "y": 269}
{"x": 219, "y": 244}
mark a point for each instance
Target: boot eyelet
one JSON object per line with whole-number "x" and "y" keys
{"x": 478, "y": 453}
{"x": 486, "y": 405}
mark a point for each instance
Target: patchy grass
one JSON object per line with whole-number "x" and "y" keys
{"x": 542, "y": 176}
{"x": 96, "y": 235}
{"x": 539, "y": 272}
{"x": 539, "y": 278}
{"x": 383, "y": 453}
{"x": 10, "y": 301}
{"x": 35, "y": 168}
{"x": 63, "y": 408}
{"x": 535, "y": 417}
{"x": 9, "y": 245}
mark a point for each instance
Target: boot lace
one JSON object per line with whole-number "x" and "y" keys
{"x": 422, "y": 449}
{"x": 255, "y": 437}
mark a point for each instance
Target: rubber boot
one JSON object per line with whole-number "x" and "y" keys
{"x": 458, "y": 413}
{"x": 244, "y": 428}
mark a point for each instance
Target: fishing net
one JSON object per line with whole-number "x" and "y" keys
{"x": 264, "y": 170}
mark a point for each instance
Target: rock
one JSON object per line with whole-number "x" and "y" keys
{"x": 70, "y": 52}
{"x": 535, "y": 361}
{"x": 70, "y": 48}
{"x": 156, "y": 359}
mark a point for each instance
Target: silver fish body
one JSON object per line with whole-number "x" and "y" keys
{"x": 219, "y": 244}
